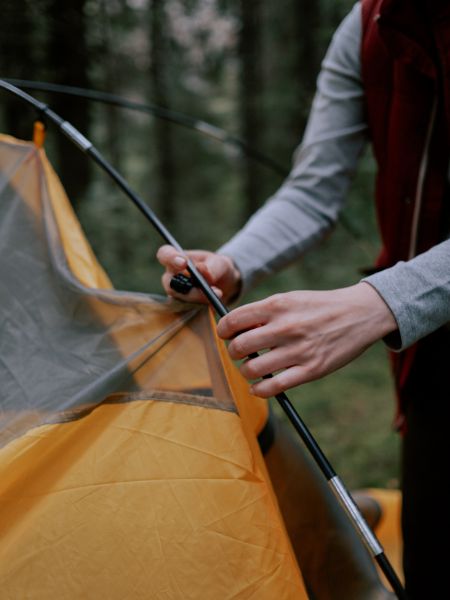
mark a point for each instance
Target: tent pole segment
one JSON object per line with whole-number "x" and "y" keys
{"x": 172, "y": 116}
{"x": 317, "y": 454}
{"x": 175, "y": 117}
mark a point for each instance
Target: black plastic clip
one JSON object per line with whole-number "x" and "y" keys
{"x": 182, "y": 284}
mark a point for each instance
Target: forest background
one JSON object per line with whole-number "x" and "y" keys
{"x": 249, "y": 67}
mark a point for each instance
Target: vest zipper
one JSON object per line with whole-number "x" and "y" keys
{"x": 420, "y": 183}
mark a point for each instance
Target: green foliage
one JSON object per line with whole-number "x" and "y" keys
{"x": 350, "y": 413}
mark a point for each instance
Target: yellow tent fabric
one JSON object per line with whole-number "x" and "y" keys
{"x": 129, "y": 461}
{"x": 129, "y": 466}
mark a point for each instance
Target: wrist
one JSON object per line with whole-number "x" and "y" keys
{"x": 384, "y": 320}
{"x": 234, "y": 279}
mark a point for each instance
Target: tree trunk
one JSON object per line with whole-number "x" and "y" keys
{"x": 250, "y": 97}
{"x": 307, "y": 15}
{"x": 164, "y": 151}
{"x": 110, "y": 83}
{"x": 17, "y": 60}
{"x": 68, "y": 62}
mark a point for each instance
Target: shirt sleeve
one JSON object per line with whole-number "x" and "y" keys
{"x": 308, "y": 203}
{"x": 418, "y": 294}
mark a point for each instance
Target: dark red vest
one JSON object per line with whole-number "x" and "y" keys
{"x": 406, "y": 75}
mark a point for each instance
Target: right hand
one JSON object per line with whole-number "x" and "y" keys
{"x": 218, "y": 270}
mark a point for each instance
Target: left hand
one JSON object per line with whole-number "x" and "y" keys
{"x": 307, "y": 334}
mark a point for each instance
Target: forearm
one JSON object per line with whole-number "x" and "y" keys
{"x": 273, "y": 238}
{"x": 308, "y": 203}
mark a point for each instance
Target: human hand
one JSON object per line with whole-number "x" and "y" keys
{"x": 218, "y": 270}
{"x": 307, "y": 334}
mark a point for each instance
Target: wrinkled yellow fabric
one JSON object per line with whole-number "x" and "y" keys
{"x": 141, "y": 499}
{"x": 157, "y": 493}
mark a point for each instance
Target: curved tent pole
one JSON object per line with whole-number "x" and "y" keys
{"x": 177, "y": 118}
{"x": 199, "y": 125}
{"x": 335, "y": 483}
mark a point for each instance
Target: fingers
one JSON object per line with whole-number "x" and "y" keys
{"x": 194, "y": 295}
{"x": 275, "y": 325}
{"x": 209, "y": 265}
{"x": 241, "y": 319}
{"x": 307, "y": 334}
{"x": 279, "y": 383}
{"x": 171, "y": 259}
{"x": 174, "y": 263}
{"x": 270, "y": 362}
{"x": 254, "y": 340}
{"x": 291, "y": 374}
{"x": 218, "y": 270}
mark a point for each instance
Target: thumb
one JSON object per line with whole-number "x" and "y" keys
{"x": 213, "y": 268}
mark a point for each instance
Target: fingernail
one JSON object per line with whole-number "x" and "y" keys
{"x": 179, "y": 261}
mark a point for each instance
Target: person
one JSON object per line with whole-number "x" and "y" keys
{"x": 385, "y": 80}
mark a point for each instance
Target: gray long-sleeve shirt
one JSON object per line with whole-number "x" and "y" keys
{"x": 308, "y": 203}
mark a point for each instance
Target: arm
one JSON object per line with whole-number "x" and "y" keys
{"x": 308, "y": 203}
{"x": 310, "y": 334}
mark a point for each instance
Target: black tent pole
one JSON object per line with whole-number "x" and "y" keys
{"x": 174, "y": 117}
{"x": 335, "y": 483}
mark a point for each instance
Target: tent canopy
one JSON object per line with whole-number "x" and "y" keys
{"x": 129, "y": 465}
{"x": 129, "y": 462}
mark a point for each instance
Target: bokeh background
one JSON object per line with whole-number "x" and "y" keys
{"x": 248, "y": 67}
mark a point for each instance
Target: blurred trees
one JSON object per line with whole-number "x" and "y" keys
{"x": 165, "y": 168}
{"x": 248, "y": 66}
{"x": 251, "y": 91}
{"x": 17, "y": 58}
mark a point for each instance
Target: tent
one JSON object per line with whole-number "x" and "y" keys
{"x": 129, "y": 458}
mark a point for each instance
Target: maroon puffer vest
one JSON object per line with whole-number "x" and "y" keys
{"x": 406, "y": 76}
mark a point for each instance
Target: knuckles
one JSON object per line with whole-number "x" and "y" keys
{"x": 227, "y": 326}
{"x": 280, "y": 302}
{"x": 266, "y": 388}
{"x": 237, "y": 349}
{"x": 250, "y": 370}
